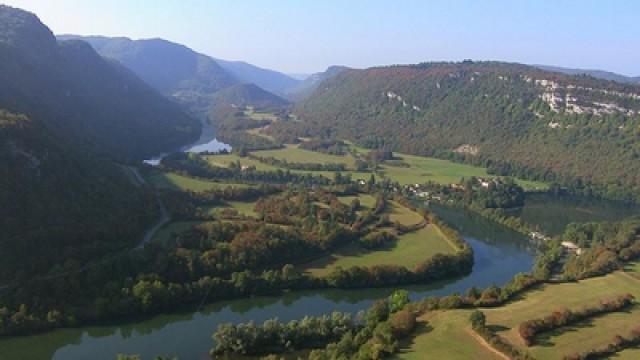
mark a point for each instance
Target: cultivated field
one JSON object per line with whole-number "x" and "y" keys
{"x": 540, "y": 302}
{"x": 410, "y": 250}
{"x": 403, "y": 215}
{"x": 175, "y": 181}
{"x": 294, "y": 154}
{"x": 243, "y": 208}
{"x": 227, "y": 159}
{"x": 445, "y": 335}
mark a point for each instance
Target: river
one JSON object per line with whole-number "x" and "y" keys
{"x": 499, "y": 254}
{"x": 551, "y": 213}
{"x": 206, "y": 143}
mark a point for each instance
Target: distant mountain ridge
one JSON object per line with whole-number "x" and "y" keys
{"x": 183, "y": 74}
{"x": 311, "y": 83}
{"x": 242, "y": 95}
{"x": 172, "y": 69}
{"x": 81, "y": 96}
{"x": 600, "y": 74}
{"x": 273, "y": 81}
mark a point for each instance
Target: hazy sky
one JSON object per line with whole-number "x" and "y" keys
{"x": 307, "y": 36}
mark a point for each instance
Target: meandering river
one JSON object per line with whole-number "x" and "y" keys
{"x": 499, "y": 254}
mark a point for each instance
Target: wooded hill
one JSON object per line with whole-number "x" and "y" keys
{"x": 515, "y": 119}
{"x": 187, "y": 76}
{"x": 63, "y": 199}
{"x": 60, "y": 204}
{"x": 242, "y": 95}
{"x": 81, "y": 96}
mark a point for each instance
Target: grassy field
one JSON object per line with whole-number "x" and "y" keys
{"x": 257, "y": 115}
{"x": 225, "y": 160}
{"x": 445, "y": 335}
{"x": 410, "y": 250}
{"x": 175, "y": 181}
{"x": 292, "y": 153}
{"x": 244, "y": 208}
{"x": 423, "y": 169}
{"x": 403, "y": 215}
{"x": 541, "y": 301}
{"x": 366, "y": 201}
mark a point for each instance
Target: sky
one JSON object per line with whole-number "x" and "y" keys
{"x": 307, "y": 36}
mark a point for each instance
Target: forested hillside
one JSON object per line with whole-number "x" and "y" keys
{"x": 172, "y": 69}
{"x": 515, "y": 119}
{"x": 59, "y": 204}
{"x": 242, "y": 95}
{"x": 82, "y": 96}
{"x": 310, "y": 84}
{"x": 272, "y": 81}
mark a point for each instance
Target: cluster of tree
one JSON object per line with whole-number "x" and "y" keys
{"x": 489, "y": 198}
{"x": 596, "y": 155}
{"x": 270, "y": 160}
{"x": 232, "y": 124}
{"x": 306, "y": 206}
{"x": 377, "y": 240}
{"x": 187, "y": 205}
{"x": 122, "y": 297}
{"x": 491, "y": 296}
{"x": 379, "y": 156}
{"x": 372, "y": 335}
{"x": 383, "y": 325}
{"x": 502, "y": 193}
{"x": 605, "y": 247}
{"x": 617, "y": 344}
{"x": 437, "y": 267}
{"x": 332, "y": 147}
{"x": 529, "y": 329}
{"x": 220, "y": 247}
{"x": 274, "y": 336}
{"x": 549, "y": 259}
{"x": 478, "y": 324}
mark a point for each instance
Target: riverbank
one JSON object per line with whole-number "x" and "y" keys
{"x": 495, "y": 249}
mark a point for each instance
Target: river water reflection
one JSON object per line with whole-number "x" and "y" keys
{"x": 499, "y": 254}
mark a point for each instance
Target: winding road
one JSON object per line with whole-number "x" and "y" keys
{"x": 148, "y": 235}
{"x": 164, "y": 214}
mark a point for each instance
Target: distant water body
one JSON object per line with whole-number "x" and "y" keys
{"x": 206, "y": 143}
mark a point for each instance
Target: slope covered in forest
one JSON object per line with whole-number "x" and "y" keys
{"x": 59, "y": 204}
{"x": 82, "y": 96}
{"x": 576, "y": 130}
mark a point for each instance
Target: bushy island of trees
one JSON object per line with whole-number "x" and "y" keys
{"x": 373, "y": 334}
